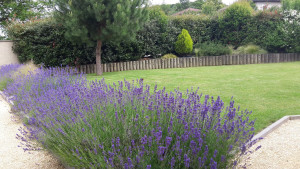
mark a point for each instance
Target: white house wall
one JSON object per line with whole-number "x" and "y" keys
{"x": 260, "y": 5}
{"x": 6, "y": 54}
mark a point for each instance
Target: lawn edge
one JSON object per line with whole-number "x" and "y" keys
{"x": 274, "y": 126}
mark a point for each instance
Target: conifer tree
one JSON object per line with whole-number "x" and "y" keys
{"x": 89, "y": 21}
{"x": 184, "y": 43}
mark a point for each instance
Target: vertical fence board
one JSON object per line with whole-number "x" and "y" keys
{"x": 127, "y": 65}
{"x": 143, "y": 64}
{"x": 213, "y": 60}
{"x": 200, "y": 61}
{"x": 104, "y": 68}
{"x": 188, "y": 62}
{"x": 230, "y": 59}
{"x": 92, "y": 68}
{"x": 262, "y": 58}
{"x": 88, "y": 69}
{"x": 114, "y": 67}
{"x": 206, "y": 61}
{"x": 159, "y": 63}
{"x": 107, "y": 67}
{"x": 224, "y": 61}
{"x": 184, "y": 62}
{"x": 124, "y": 66}
{"x": 196, "y": 61}
{"x": 95, "y": 68}
{"x": 220, "y": 61}
{"x": 111, "y": 67}
{"x": 255, "y": 59}
{"x": 174, "y": 63}
{"x": 191, "y": 62}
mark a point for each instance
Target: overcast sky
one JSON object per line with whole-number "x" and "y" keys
{"x": 159, "y": 2}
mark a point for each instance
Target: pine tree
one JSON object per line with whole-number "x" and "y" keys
{"x": 88, "y": 21}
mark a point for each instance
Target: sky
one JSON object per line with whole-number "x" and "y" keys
{"x": 159, "y": 2}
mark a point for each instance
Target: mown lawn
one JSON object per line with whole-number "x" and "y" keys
{"x": 271, "y": 91}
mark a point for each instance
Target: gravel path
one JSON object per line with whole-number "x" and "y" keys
{"x": 12, "y": 156}
{"x": 280, "y": 149}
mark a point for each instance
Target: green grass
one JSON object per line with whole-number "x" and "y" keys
{"x": 271, "y": 91}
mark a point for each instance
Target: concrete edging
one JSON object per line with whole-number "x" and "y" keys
{"x": 274, "y": 126}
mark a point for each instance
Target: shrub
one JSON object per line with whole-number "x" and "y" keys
{"x": 128, "y": 125}
{"x": 233, "y": 24}
{"x": 211, "y": 49}
{"x": 169, "y": 56}
{"x": 250, "y": 49}
{"x": 184, "y": 43}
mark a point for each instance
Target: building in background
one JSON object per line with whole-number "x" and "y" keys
{"x": 266, "y": 4}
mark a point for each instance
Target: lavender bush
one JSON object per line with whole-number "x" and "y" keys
{"x": 127, "y": 125}
{"x": 6, "y": 72}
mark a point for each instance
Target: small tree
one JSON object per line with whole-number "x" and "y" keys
{"x": 184, "y": 43}
{"x": 233, "y": 22}
{"x": 89, "y": 21}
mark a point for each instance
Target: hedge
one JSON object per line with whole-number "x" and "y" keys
{"x": 44, "y": 41}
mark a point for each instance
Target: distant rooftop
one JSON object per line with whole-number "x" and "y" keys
{"x": 186, "y": 10}
{"x": 266, "y": 0}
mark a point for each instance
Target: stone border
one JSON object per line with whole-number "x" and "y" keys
{"x": 274, "y": 126}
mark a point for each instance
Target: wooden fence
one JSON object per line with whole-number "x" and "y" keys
{"x": 193, "y": 62}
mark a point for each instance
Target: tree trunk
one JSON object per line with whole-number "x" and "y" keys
{"x": 98, "y": 57}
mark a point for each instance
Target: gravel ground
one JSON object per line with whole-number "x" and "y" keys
{"x": 280, "y": 149}
{"x": 12, "y": 156}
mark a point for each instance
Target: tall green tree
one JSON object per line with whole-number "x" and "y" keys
{"x": 89, "y": 21}
{"x": 291, "y": 5}
{"x": 184, "y": 4}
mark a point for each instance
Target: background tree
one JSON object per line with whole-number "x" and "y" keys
{"x": 89, "y": 21}
{"x": 291, "y": 5}
{"x": 184, "y": 4}
{"x": 211, "y": 6}
{"x": 234, "y": 22}
{"x": 197, "y": 4}
{"x": 21, "y": 10}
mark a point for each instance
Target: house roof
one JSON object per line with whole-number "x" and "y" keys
{"x": 266, "y": 1}
{"x": 186, "y": 10}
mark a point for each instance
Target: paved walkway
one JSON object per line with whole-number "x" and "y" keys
{"x": 12, "y": 156}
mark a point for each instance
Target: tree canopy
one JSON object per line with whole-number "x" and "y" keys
{"x": 88, "y": 21}
{"x": 21, "y": 10}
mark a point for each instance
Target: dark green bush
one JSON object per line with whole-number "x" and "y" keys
{"x": 211, "y": 49}
{"x": 184, "y": 43}
{"x": 43, "y": 41}
{"x": 233, "y": 23}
